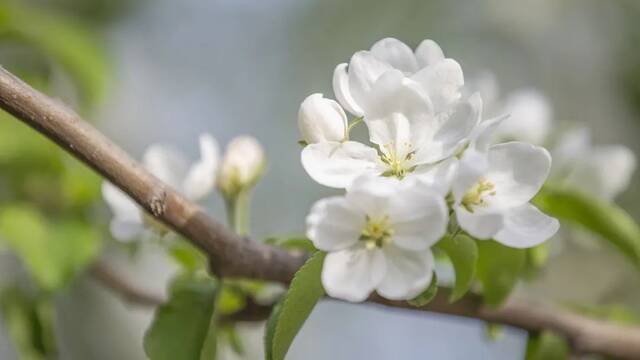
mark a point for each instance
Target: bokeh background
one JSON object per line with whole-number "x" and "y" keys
{"x": 165, "y": 71}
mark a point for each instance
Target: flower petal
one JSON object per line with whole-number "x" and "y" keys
{"x": 201, "y": 177}
{"x": 352, "y": 274}
{"x": 530, "y": 117}
{"x": 343, "y": 92}
{"x": 592, "y": 173}
{"x": 428, "y": 53}
{"x": 395, "y": 53}
{"x": 483, "y": 135}
{"x": 442, "y": 81}
{"x": 526, "y": 226}
{"x": 408, "y": 273}
{"x": 336, "y": 164}
{"x": 518, "y": 171}
{"x": 121, "y": 205}
{"x": 124, "y": 230}
{"x": 419, "y": 217}
{"x": 364, "y": 71}
{"x": 480, "y": 226}
{"x": 333, "y": 224}
{"x": 439, "y": 176}
{"x": 372, "y": 194}
{"x": 167, "y": 164}
{"x": 471, "y": 167}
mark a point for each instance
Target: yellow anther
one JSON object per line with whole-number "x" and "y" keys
{"x": 376, "y": 233}
{"x": 476, "y": 196}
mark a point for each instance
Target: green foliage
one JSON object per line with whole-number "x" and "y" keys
{"x": 185, "y": 327}
{"x": 536, "y": 258}
{"x": 547, "y": 346}
{"x": 292, "y": 243}
{"x": 602, "y": 218}
{"x": 427, "y": 295}
{"x": 53, "y": 252}
{"x": 288, "y": 317}
{"x": 29, "y": 322}
{"x": 499, "y": 268}
{"x": 61, "y": 40}
{"x": 616, "y": 313}
{"x": 188, "y": 256}
{"x": 463, "y": 253}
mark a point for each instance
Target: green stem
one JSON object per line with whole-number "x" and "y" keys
{"x": 238, "y": 212}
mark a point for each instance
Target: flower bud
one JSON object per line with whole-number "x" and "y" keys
{"x": 321, "y": 119}
{"x": 242, "y": 165}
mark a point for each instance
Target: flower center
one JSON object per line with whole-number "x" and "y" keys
{"x": 477, "y": 194}
{"x": 376, "y": 233}
{"x": 399, "y": 164}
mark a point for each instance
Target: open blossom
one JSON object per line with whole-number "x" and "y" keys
{"x": 531, "y": 115}
{"x": 407, "y": 132}
{"x": 439, "y": 77}
{"x": 242, "y": 165}
{"x": 321, "y": 119}
{"x": 193, "y": 179}
{"x": 492, "y": 202}
{"x": 580, "y": 164}
{"x": 378, "y": 237}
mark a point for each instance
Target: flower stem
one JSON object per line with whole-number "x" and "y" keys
{"x": 238, "y": 212}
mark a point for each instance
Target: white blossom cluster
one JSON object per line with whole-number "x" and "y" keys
{"x": 241, "y": 165}
{"x": 431, "y": 166}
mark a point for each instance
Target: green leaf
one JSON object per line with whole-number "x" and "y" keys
{"x": 609, "y": 221}
{"x": 293, "y": 243}
{"x": 188, "y": 256}
{"x": 499, "y": 268}
{"x": 288, "y": 317}
{"x": 29, "y": 323}
{"x": 64, "y": 41}
{"x": 617, "y": 313}
{"x": 427, "y": 295}
{"x": 536, "y": 259}
{"x": 184, "y": 327}
{"x": 234, "y": 340}
{"x": 463, "y": 253}
{"x": 547, "y": 346}
{"x": 53, "y": 253}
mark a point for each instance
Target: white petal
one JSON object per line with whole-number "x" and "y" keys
{"x": 201, "y": 177}
{"x": 484, "y": 133}
{"x": 321, "y": 119}
{"x": 518, "y": 171}
{"x": 364, "y": 71}
{"x": 333, "y": 224}
{"x": 121, "y": 205}
{"x": 408, "y": 273}
{"x": 338, "y": 164}
{"x": 442, "y": 82}
{"x": 395, "y": 53}
{"x": 438, "y": 177}
{"x": 526, "y": 226}
{"x": 480, "y": 226}
{"x": 471, "y": 167}
{"x": 343, "y": 92}
{"x": 419, "y": 217}
{"x": 571, "y": 146}
{"x": 372, "y": 194}
{"x": 530, "y": 117}
{"x": 592, "y": 172}
{"x": 167, "y": 164}
{"x": 452, "y": 134}
{"x": 352, "y": 274}
{"x": 428, "y": 53}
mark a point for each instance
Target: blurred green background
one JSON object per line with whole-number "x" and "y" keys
{"x": 165, "y": 71}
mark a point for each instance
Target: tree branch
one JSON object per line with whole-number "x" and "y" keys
{"x": 234, "y": 256}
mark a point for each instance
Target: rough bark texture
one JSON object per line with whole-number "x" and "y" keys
{"x": 235, "y": 256}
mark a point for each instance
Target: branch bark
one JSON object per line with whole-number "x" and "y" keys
{"x": 235, "y": 256}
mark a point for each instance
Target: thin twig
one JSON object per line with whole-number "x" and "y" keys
{"x": 234, "y": 256}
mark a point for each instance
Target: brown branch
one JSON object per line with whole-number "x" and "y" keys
{"x": 234, "y": 256}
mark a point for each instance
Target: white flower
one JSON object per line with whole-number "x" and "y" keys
{"x": 492, "y": 198}
{"x": 439, "y": 77}
{"x": 194, "y": 180}
{"x": 321, "y": 119}
{"x": 530, "y": 114}
{"x": 242, "y": 165}
{"x": 580, "y": 164}
{"x": 378, "y": 237}
{"x": 403, "y": 125}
